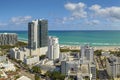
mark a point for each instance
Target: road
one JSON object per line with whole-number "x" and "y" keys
{"x": 23, "y": 72}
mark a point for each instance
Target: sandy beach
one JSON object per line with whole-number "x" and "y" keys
{"x": 104, "y": 48}
{"x": 76, "y": 47}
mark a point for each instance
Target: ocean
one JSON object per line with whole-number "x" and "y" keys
{"x": 94, "y": 38}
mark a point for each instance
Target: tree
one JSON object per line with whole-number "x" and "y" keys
{"x": 55, "y": 75}
{"x": 37, "y": 77}
{"x": 42, "y": 57}
{"x": 98, "y": 52}
{"x": 64, "y": 50}
{"x": 48, "y": 73}
{"x": 36, "y": 69}
{"x": 20, "y": 44}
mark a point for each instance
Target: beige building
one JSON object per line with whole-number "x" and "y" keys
{"x": 19, "y": 53}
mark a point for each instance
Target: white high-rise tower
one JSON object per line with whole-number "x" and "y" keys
{"x": 53, "y": 48}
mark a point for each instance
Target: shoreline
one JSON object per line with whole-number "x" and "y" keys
{"x": 77, "y": 47}
{"x": 23, "y": 41}
{"x": 104, "y": 48}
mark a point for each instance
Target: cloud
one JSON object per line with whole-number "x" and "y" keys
{"x": 111, "y": 13}
{"x": 93, "y": 22}
{"x": 77, "y": 10}
{"x": 3, "y": 24}
{"x": 16, "y": 22}
{"x": 20, "y": 19}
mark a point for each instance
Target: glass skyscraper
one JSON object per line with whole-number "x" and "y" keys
{"x": 37, "y": 34}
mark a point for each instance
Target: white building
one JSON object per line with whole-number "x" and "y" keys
{"x": 82, "y": 68}
{"x": 31, "y": 60}
{"x": 3, "y": 58}
{"x": 23, "y": 78}
{"x": 53, "y": 48}
{"x": 7, "y": 66}
{"x": 73, "y": 68}
{"x": 113, "y": 66}
{"x": 87, "y": 53}
{"x": 68, "y": 66}
{"x": 19, "y": 53}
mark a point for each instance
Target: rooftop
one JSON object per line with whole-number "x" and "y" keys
{"x": 23, "y": 78}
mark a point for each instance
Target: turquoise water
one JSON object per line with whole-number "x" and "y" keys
{"x": 94, "y": 38}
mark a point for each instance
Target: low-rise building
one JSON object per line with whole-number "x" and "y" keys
{"x": 19, "y": 53}
{"x": 69, "y": 67}
{"x": 29, "y": 60}
{"x": 7, "y": 66}
{"x": 82, "y": 67}
{"x": 23, "y": 78}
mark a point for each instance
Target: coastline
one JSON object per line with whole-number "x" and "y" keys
{"x": 104, "y": 48}
{"x": 77, "y": 47}
{"x": 23, "y": 41}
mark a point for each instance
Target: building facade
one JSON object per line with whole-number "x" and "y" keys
{"x": 38, "y": 36}
{"x": 53, "y": 48}
{"x": 19, "y": 53}
{"x": 87, "y": 53}
{"x": 113, "y": 66}
{"x": 8, "y": 38}
{"x": 30, "y": 60}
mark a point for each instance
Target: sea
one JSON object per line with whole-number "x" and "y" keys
{"x": 91, "y": 37}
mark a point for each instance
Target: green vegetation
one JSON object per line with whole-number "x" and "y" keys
{"x": 36, "y": 69}
{"x": 97, "y": 72}
{"x": 6, "y": 48}
{"x": 21, "y": 44}
{"x": 42, "y": 57}
{"x": 55, "y": 75}
{"x": 116, "y": 53}
{"x": 98, "y": 52}
{"x": 37, "y": 77}
{"x": 64, "y": 50}
{"x": 17, "y": 76}
{"x": 69, "y": 50}
{"x": 87, "y": 78}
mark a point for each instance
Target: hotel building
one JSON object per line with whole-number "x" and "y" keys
{"x": 38, "y": 37}
{"x": 53, "y": 48}
{"x": 8, "y": 38}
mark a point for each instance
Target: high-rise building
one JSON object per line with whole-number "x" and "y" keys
{"x": 38, "y": 35}
{"x": 113, "y": 66}
{"x": 53, "y": 48}
{"x": 87, "y": 53}
{"x": 8, "y": 38}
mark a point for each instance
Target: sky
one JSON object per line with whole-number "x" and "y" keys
{"x": 61, "y": 14}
